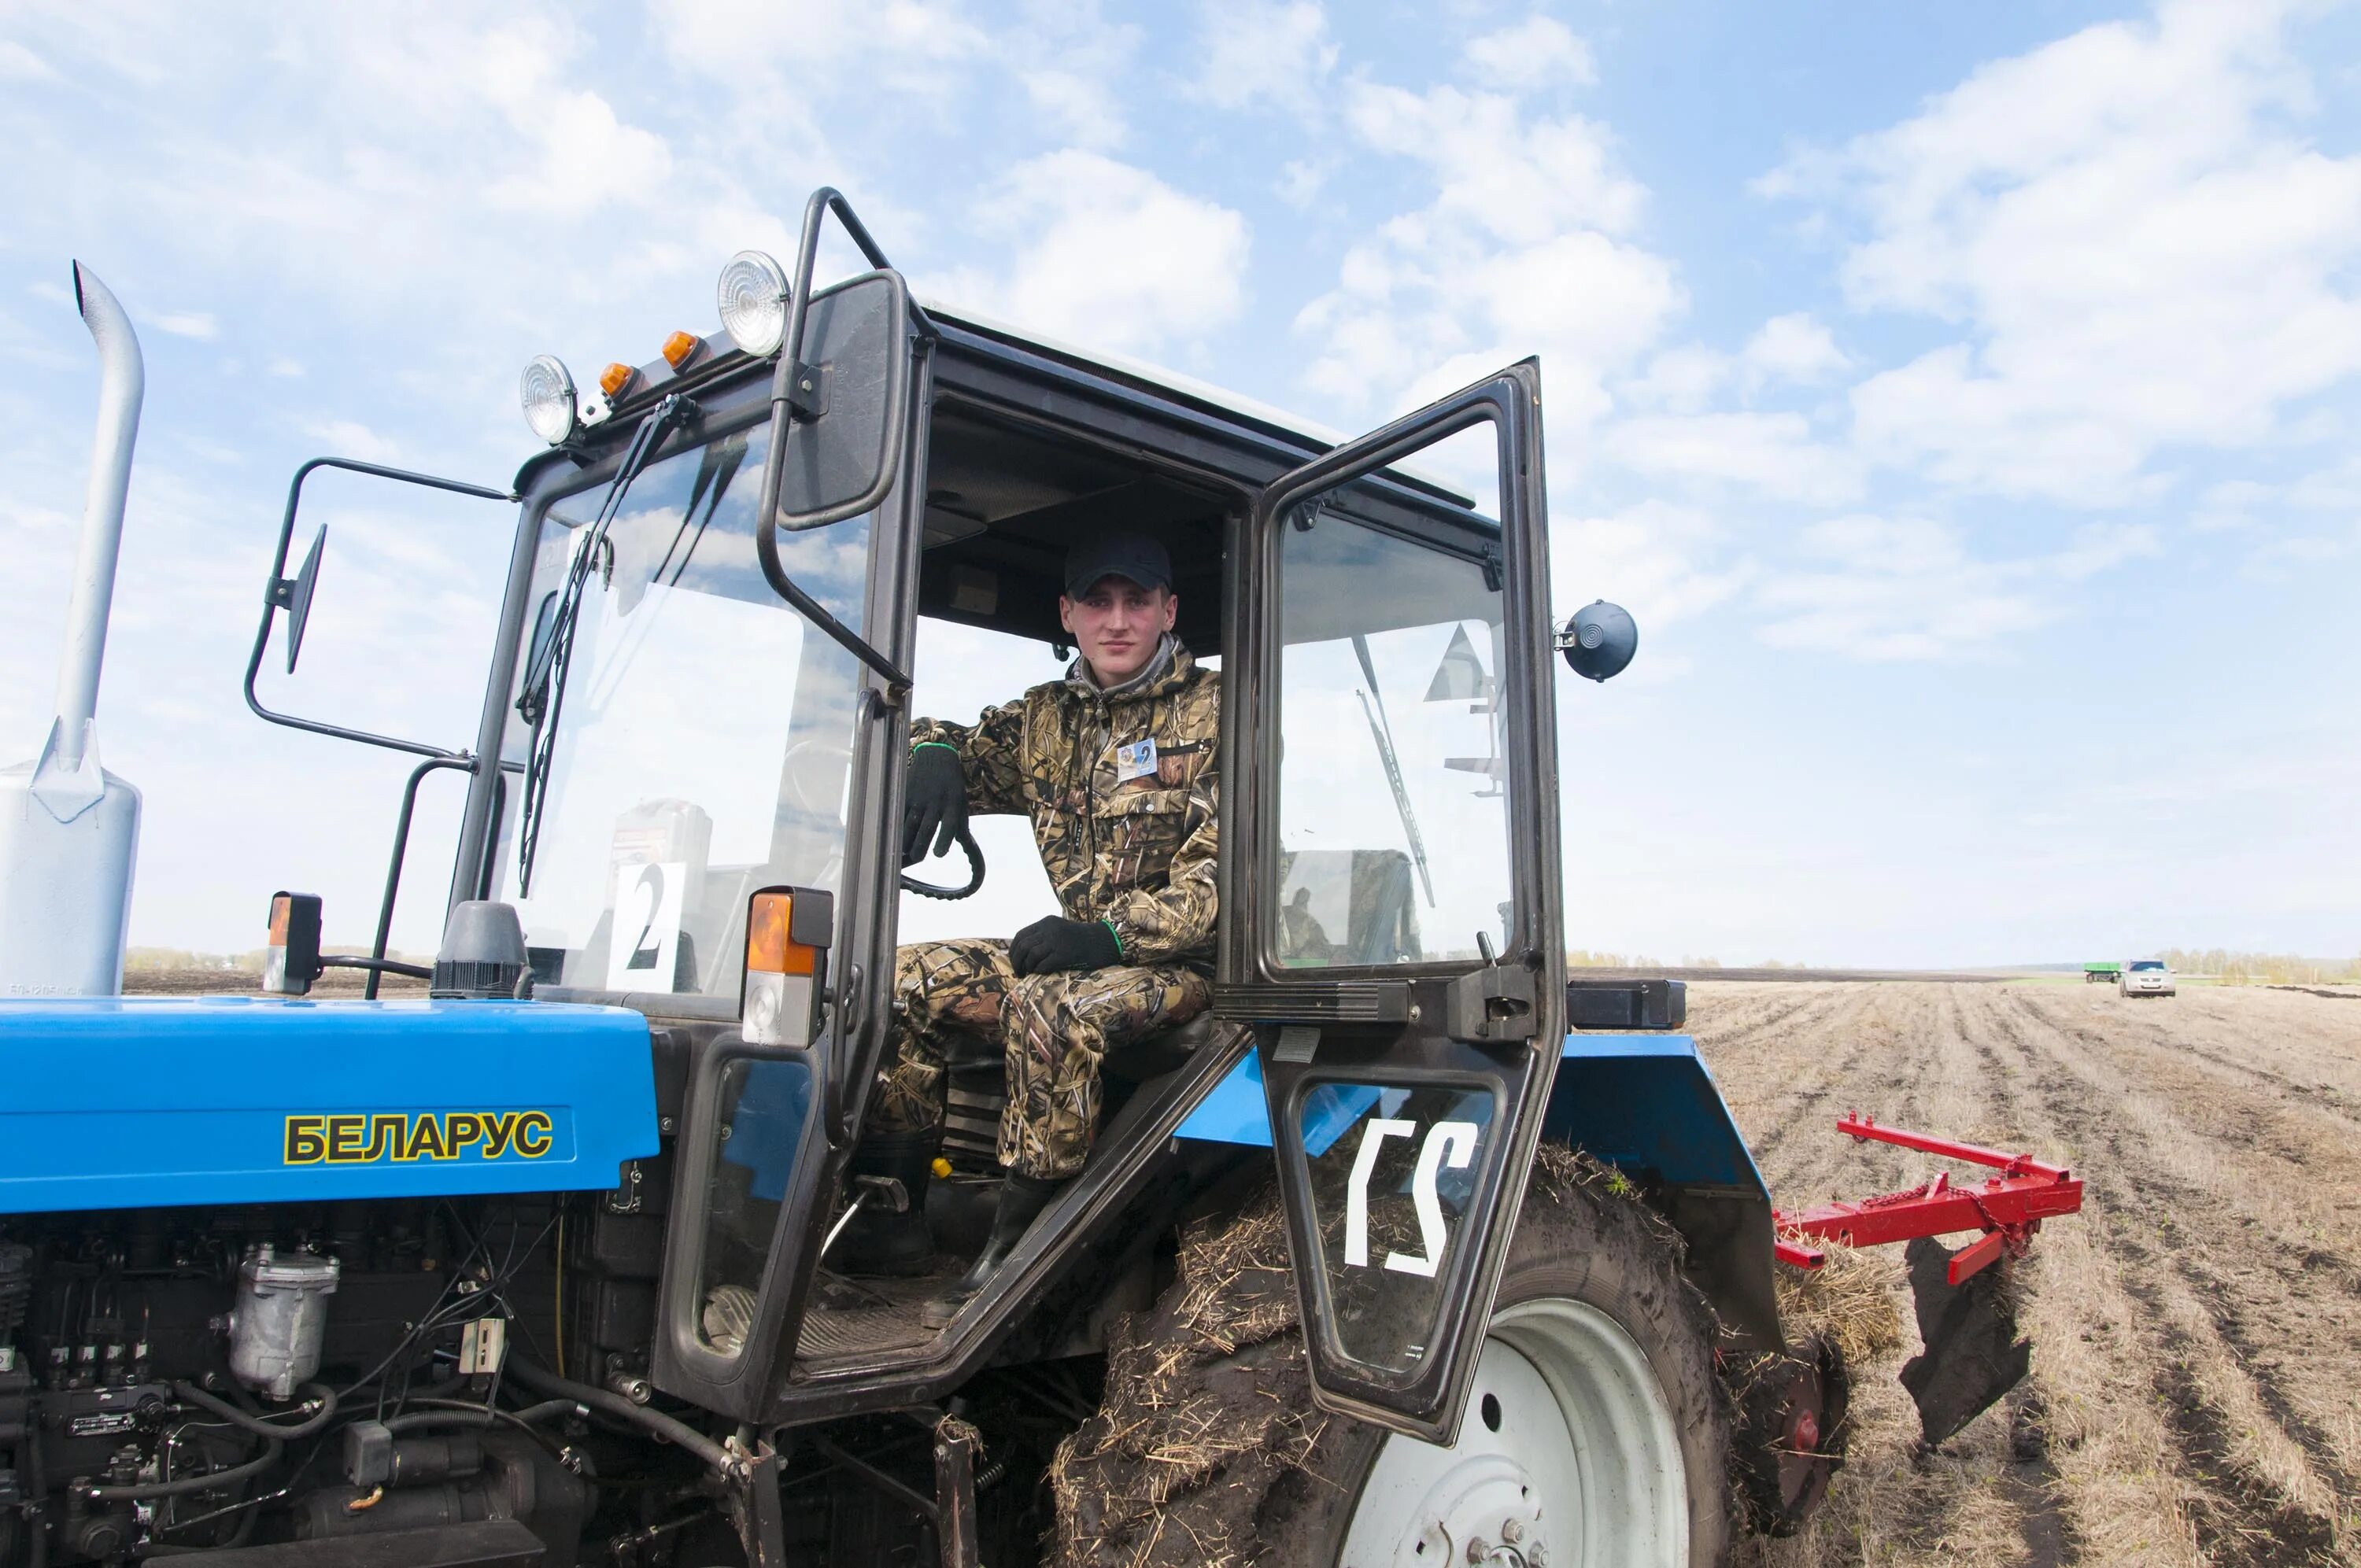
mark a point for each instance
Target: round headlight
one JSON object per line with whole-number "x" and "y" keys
{"x": 547, "y": 393}
{"x": 753, "y": 298}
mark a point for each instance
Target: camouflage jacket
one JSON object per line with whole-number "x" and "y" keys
{"x": 1135, "y": 852}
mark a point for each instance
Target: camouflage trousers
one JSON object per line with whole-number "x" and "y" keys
{"x": 1052, "y": 1030}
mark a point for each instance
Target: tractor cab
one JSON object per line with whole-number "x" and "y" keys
{"x": 686, "y": 784}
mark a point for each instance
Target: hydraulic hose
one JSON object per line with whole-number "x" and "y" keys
{"x": 450, "y": 1413}
{"x": 246, "y": 1420}
{"x": 188, "y": 1486}
{"x": 673, "y": 1432}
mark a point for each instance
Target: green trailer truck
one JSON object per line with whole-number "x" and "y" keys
{"x": 2101, "y": 975}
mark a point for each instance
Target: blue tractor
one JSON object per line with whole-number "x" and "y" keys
{"x": 1407, "y": 1253}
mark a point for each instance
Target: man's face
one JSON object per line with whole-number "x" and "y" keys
{"x": 1117, "y": 625}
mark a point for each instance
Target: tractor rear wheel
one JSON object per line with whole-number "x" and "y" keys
{"x": 1598, "y": 1431}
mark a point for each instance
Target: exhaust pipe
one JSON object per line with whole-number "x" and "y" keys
{"x": 69, "y": 830}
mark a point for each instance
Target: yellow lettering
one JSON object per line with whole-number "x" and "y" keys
{"x": 426, "y": 1138}
{"x": 385, "y": 1136}
{"x": 306, "y": 1144}
{"x": 498, "y": 1126}
{"x": 532, "y": 1134}
{"x": 344, "y": 1135}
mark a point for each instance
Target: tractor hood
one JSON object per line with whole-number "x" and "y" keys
{"x": 112, "y": 1103}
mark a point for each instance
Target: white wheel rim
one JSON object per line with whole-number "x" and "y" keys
{"x": 1568, "y": 1458}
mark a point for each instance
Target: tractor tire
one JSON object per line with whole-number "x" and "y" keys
{"x": 1598, "y": 1431}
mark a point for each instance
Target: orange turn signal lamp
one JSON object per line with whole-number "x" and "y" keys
{"x": 788, "y": 930}
{"x": 292, "y": 962}
{"x": 614, "y": 378}
{"x": 681, "y": 348}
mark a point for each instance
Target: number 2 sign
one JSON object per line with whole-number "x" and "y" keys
{"x": 644, "y": 941}
{"x": 1449, "y": 1143}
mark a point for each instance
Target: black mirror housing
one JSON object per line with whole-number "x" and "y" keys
{"x": 1599, "y": 641}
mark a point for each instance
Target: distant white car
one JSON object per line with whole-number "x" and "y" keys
{"x": 2146, "y": 977}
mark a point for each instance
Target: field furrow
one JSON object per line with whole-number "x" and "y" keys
{"x": 2197, "y": 1329}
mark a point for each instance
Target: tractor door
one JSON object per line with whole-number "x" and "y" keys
{"x": 1391, "y": 906}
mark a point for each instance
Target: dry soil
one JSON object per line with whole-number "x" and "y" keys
{"x": 2196, "y": 1386}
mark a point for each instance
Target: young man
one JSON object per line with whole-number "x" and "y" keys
{"x": 1115, "y": 765}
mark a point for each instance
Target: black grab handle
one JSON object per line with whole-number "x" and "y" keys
{"x": 975, "y": 873}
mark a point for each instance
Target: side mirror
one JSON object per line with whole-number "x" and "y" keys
{"x": 1599, "y": 641}
{"x": 853, "y": 396}
{"x": 299, "y": 596}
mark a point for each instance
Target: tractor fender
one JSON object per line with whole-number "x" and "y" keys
{"x": 1646, "y": 1104}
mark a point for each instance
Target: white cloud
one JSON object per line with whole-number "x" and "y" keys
{"x": 1793, "y": 347}
{"x": 185, "y": 324}
{"x": 1658, "y": 560}
{"x": 1538, "y": 52}
{"x": 1774, "y": 453}
{"x": 1108, "y": 254}
{"x": 18, "y": 63}
{"x": 1524, "y": 249}
{"x": 2142, "y": 248}
{"x": 1897, "y": 588}
{"x": 1264, "y": 51}
{"x": 727, "y": 38}
{"x": 350, "y": 438}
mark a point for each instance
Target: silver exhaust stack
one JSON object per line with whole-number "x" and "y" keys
{"x": 69, "y": 830}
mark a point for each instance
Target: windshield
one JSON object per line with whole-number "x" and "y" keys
{"x": 705, "y": 738}
{"x": 2148, "y": 963}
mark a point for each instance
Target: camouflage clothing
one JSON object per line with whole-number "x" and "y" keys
{"x": 1137, "y": 852}
{"x": 1052, "y": 1030}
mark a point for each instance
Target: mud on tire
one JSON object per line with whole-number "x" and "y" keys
{"x": 1208, "y": 1450}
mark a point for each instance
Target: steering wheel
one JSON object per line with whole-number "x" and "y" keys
{"x": 975, "y": 873}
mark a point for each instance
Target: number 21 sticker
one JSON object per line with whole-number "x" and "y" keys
{"x": 1449, "y": 1143}
{"x": 644, "y": 942}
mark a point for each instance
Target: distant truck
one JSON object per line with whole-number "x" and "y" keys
{"x": 2102, "y": 974}
{"x": 2147, "y": 977}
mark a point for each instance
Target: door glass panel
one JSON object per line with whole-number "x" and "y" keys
{"x": 1393, "y": 820}
{"x": 763, "y": 1107}
{"x": 1394, "y": 1171}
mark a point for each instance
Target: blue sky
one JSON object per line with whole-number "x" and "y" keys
{"x": 1960, "y": 397}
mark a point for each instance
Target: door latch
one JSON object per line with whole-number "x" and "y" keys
{"x": 1492, "y": 1005}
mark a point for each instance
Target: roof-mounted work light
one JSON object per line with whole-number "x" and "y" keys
{"x": 752, "y": 295}
{"x": 547, "y": 393}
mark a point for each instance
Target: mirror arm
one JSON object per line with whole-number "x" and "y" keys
{"x": 278, "y": 593}
{"x": 797, "y": 388}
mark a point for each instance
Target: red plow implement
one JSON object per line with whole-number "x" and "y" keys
{"x": 1966, "y": 1312}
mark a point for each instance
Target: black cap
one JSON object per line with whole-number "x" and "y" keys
{"x": 1118, "y": 552}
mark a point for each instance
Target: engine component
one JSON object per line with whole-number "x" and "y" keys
{"x": 282, "y": 1313}
{"x": 15, "y": 1288}
{"x": 375, "y": 1457}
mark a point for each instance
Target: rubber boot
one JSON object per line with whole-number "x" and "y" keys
{"x": 1021, "y": 1198}
{"x": 876, "y": 1240}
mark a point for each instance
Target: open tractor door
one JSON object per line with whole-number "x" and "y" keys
{"x": 1391, "y": 895}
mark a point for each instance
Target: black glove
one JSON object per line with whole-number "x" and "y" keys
{"x": 934, "y": 803}
{"x": 1054, "y": 943}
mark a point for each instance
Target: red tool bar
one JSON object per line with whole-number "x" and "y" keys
{"x": 1861, "y": 1127}
{"x": 2007, "y": 1208}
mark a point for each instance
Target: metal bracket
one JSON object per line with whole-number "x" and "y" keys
{"x": 617, "y": 1200}
{"x": 806, "y": 389}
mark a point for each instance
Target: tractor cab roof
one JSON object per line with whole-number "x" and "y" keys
{"x": 1031, "y": 444}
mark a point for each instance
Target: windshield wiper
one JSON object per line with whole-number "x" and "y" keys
{"x": 541, "y": 701}
{"x": 1381, "y": 731}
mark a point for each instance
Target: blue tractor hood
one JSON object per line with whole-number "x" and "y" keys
{"x": 120, "y": 1103}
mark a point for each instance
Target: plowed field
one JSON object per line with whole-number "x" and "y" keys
{"x": 2196, "y": 1387}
